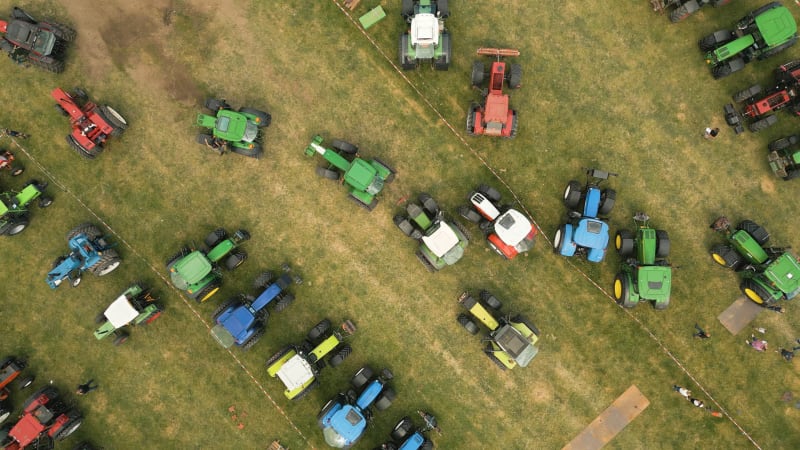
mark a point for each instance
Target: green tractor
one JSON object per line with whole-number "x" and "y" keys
{"x": 760, "y": 34}
{"x": 297, "y": 366}
{"x": 238, "y": 131}
{"x": 13, "y": 207}
{"x": 196, "y": 272}
{"x": 364, "y": 179}
{"x": 784, "y": 157}
{"x": 441, "y": 242}
{"x": 511, "y": 341}
{"x": 135, "y": 307}
{"x": 770, "y": 273}
{"x": 427, "y": 38}
{"x": 646, "y": 274}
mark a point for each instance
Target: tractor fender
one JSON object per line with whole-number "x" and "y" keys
{"x": 596, "y": 254}
{"x": 732, "y": 117}
{"x": 568, "y": 248}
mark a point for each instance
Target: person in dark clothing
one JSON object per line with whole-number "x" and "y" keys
{"x": 776, "y": 308}
{"x": 700, "y": 333}
{"x": 87, "y": 387}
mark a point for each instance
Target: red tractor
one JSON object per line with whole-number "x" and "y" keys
{"x": 45, "y": 418}
{"x": 10, "y": 369}
{"x": 91, "y": 124}
{"x": 42, "y": 44}
{"x": 494, "y": 117}
{"x": 759, "y": 107}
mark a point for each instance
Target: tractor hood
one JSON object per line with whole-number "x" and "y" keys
{"x": 784, "y": 273}
{"x": 512, "y": 227}
{"x": 237, "y": 322}
{"x": 234, "y": 127}
{"x": 189, "y": 270}
{"x": 30, "y": 36}
{"x": 295, "y": 372}
{"x": 424, "y": 35}
{"x": 776, "y": 25}
{"x": 121, "y": 312}
{"x": 654, "y": 282}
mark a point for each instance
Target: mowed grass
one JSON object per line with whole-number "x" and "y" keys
{"x": 617, "y": 88}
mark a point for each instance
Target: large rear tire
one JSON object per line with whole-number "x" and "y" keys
{"x": 726, "y": 256}
{"x": 572, "y": 195}
{"x": 467, "y": 323}
{"x": 340, "y": 356}
{"x": 624, "y": 243}
{"x": 662, "y": 244}
{"x": 91, "y": 231}
{"x": 755, "y": 230}
{"x": 756, "y": 293}
{"x": 109, "y": 262}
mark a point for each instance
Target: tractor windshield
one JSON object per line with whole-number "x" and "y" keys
{"x": 516, "y": 345}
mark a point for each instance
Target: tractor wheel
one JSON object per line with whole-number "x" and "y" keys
{"x": 726, "y": 256}
{"x": 490, "y": 193}
{"x": 624, "y": 243}
{"x": 320, "y": 331}
{"x": 47, "y": 390}
{"x": 714, "y": 40}
{"x": 344, "y": 147}
{"x": 216, "y": 104}
{"x": 25, "y": 383}
{"x": 113, "y": 118}
{"x": 16, "y": 170}
{"x": 725, "y": 69}
{"x": 403, "y": 224}
{"x": 328, "y": 173}
{"x": 7, "y": 47}
{"x": 478, "y": 72}
{"x": 428, "y": 203}
{"x": 207, "y": 140}
{"x": 490, "y": 300}
{"x": 662, "y": 305}
{"x": 264, "y": 118}
{"x": 662, "y": 244}
{"x": 248, "y": 344}
{"x": 559, "y": 238}
{"x": 443, "y": 62}
{"x": 64, "y": 32}
{"x": 17, "y": 226}
{"x": 109, "y": 261}
{"x": 402, "y": 429}
{"x": 514, "y": 125}
{"x": 756, "y": 293}
{"x": 20, "y": 14}
{"x": 515, "y": 77}
{"x": 385, "y": 399}
{"x": 752, "y": 91}
{"x": 241, "y": 236}
{"x": 5, "y": 411}
{"x": 426, "y": 445}
{"x": 48, "y": 64}
{"x": 519, "y": 318}
{"x": 443, "y": 9}
{"x": 683, "y": 11}
{"x": 75, "y": 281}
{"x": 254, "y": 152}
{"x": 100, "y": 318}
{"x": 235, "y": 259}
{"x": 274, "y": 358}
{"x": 263, "y": 280}
{"x": 284, "y": 301}
{"x": 120, "y": 338}
{"x": 467, "y": 323}
{"x": 791, "y": 174}
{"x": 783, "y": 143}
{"x": 225, "y": 305}
{"x": 340, "y": 356}
{"x": 207, "y": 291}
{"x": 74, "y": 421}
{"x": 88, "y": 229}
{"x": 407, "y": 9}
{"x": 306, "y": 391}
{"x": 471, "y": 115}
{"x": 44, "y": 201}
{"x": 392, "y": 173}
{"x": 469, "y": 214}
{"x": 461, "y": 229}
{"x": 763, "y": 124}
{"x": 494, "y": 359}
{"x": 778, "y": 49}
{"x": 177, "y": 256}
{"x": 402, "y": 54}
{"x": 425, "y": 262}
{"x": 622, "y": 291}
{"x": 215, "y": 237}
{"x": 361, "y": 377}
{"x": 368, "y": 207}
{"x": 755, "y": 230}
{"x": 572, "y": 195}
{"x": 607, "y": 200}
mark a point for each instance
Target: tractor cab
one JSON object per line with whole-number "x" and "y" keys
{"x": 190, "y": 270}
{"x": 346, "y": 426}
{"x": 443, "y": 242}
{"x": 515, "y": 230}
{"x": 519, "y": 348}
{"x": 30, "y": 36}
{"x": 425, "y": 35}
{"x": 364, "y": 177}
{"x": 231, "y": 126}
{"x": 121, "y": 312}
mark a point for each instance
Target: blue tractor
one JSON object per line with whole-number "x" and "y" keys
{"x": 406, "y": 436}
{"x": 344, "y": 418}
{"x": 242, "y": 320}
{"x": 89, "y": 251}
{"x": 585, "y": 232}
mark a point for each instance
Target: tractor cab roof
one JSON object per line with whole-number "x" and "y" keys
{"x": 512, "y": 227}
{"x": 591, "y": 233}
{"x": 30, "y": 36}
{"x": 362, "y": 175}
{"x": 346, "y": 425}
{"x": 295, "y": 372}
{"x": 519, "y": 348}
{"x": 237, "y": 321}
{"x": 776, "y": 25}
{"x": 191, "y": 269}
{"x": 441, "y": 239}
{"x": 424, "y": 34}
{"x": 234, "y": 127}
{"x": 121, "y": 312}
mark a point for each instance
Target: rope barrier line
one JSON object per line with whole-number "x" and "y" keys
{"x": 541, "y": 232}
{"x": 163, "y": 278}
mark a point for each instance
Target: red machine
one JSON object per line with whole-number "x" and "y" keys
{"x": 91, "y": 124}
{"x": 45, "y": 417}
{"x": 758, "y": 108}
{"x": 494, "y": 117}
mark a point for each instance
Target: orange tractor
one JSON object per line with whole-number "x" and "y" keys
{"x": 494, "y": 117}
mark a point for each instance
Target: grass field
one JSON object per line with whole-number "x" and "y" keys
{"x": 617, "y": 87}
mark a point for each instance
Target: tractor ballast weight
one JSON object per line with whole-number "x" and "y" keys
{"x": 784, "y": 157}
{"x": 493, "y": 116}
{"x": 426, "y": 39}
{"x": 363, "y": 179}
{"x": 42, "y": 44}
{"x": 134, "y": 307}
{"x": 762, "y": 33}
{"x": 92, "y": 125}
{"x": 681, "y": 9}
{"x": 242, "y": 320}
{"x": 769, "y": 274}
{"x": 14, "y": 212}
{"x": 89, "y": 251}
{"x": 759, "y": 106}
{"x": 646, "y": 274}
{"x": 239, "y": 131}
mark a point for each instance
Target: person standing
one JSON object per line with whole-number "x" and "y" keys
{"x": 711, "y": 133}
{"x": 87, "y": 387}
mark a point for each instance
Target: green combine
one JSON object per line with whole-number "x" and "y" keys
{"x": 646, "y": 274}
